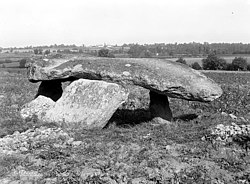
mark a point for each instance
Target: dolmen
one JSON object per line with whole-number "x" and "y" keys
{"x": 98, "y": 87}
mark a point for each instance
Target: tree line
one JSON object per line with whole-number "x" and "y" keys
{"x": 214, "y": 62}
{"x": 186, "y": 49}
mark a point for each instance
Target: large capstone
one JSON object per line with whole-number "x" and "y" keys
{"x": 161, "y": 76}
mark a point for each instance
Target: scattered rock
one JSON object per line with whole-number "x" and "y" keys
{"x": 30, "y": 139}
{"x": 159, "y": 121}
{"x": 89, "y": 172}
{"x": 76, "y": 143}
{"x": 243, "y": 119}
{"x": 14, "y": 106}
{"x": 224, "y": 114}
{"x": 38, "y": 107}
{"x": 2, "y": 97}
{"x": 225, "y": 133}
{"x": 233, "y": 116}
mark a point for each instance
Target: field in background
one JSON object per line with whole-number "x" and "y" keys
{"x": 11, "y": 60}
{"x": 228, "y": 59}
{"x": 13, "y": 56}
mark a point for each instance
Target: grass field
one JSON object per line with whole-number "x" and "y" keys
{"x": 129, "y": 150}
{"x": 11, "y": 60}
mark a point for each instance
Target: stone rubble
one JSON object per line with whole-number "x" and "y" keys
{"x": 33, "y": 138}
{"x": 225, "y": 133}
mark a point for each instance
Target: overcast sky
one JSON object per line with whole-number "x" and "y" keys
{"x": 91, "y": 22}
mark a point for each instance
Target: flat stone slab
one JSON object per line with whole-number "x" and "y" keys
{"x": 84, "y": 104}
{"x": 161, "y": 76}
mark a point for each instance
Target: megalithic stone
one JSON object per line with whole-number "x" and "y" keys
{"x": 163, "y": 77}
{"x": 84, "y": 104}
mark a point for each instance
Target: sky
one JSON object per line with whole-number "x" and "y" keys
{"x": 92, "y": 22}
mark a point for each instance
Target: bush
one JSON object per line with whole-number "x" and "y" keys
{"x": 47, "y": 52}
{"x": 181, "y": 60}
{"x": 239, "y": 63}
{"x": 213, "y": 62}
{"x": 38, "y": 51}
{"x": 196, "y": 66}
{"x": 105, "y": 53}
{"x": 229, "y": 67}
{"x": 22, "y": 63}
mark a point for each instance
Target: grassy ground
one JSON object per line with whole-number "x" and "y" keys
{"x": 132, "y": 149}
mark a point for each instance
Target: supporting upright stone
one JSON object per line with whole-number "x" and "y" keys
{"x": 51, "y": 89}
{"x": 87, "y": 104}
{"x": 159, "y": 106}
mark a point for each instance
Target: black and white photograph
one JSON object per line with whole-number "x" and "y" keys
{"x": 125, "y": 92}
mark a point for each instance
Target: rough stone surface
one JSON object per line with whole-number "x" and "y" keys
{"x": 37, "y": 107}
{"x": 161, "y": 76}
{"x": 87, "y": 104}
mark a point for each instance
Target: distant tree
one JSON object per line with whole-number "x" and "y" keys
{"x": 213, "y": 62}
{"x": 196, "y": 66}
{"x": 66, "y": 51}
{"x": 229, "y": 67}
{"x": 239, "y": 63}
{"x": 136, "y": 50}
{"x": 105, "y": 53}
{"x": 248, "y": 67}
{"x": 181, "y": 60}
{"x": 3, "y": 66}
{"x": 40, "y": 51}
{"x": 47, "y": 52}
{"x": 22, "y": 63}
{"x": 36, "y": 51}
{"x": 145, "y": 54}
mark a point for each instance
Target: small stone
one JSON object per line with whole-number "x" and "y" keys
{"x": 37, "y": 107}
{"x": 160, "y": 121}
{"x": 70, "y": 141}
{"x": 76, "y": 143}
{"x": 126, "y": 73}
{"x": 128, "y": 65}
{"x": 233, "y": 116}
{"x": 243, "y": 119}
{"x": 89, "y": 172}
{"x": 23, "y": 149}
{"x": 14, "y": 106}
{"x": 224, "y": 114}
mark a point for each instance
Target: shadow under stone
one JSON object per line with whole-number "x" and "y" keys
{"x": 186, "y": 117}
{"x": 127, "y": 117}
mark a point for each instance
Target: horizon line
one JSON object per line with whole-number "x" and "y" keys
{"x": 103, "y": 44}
